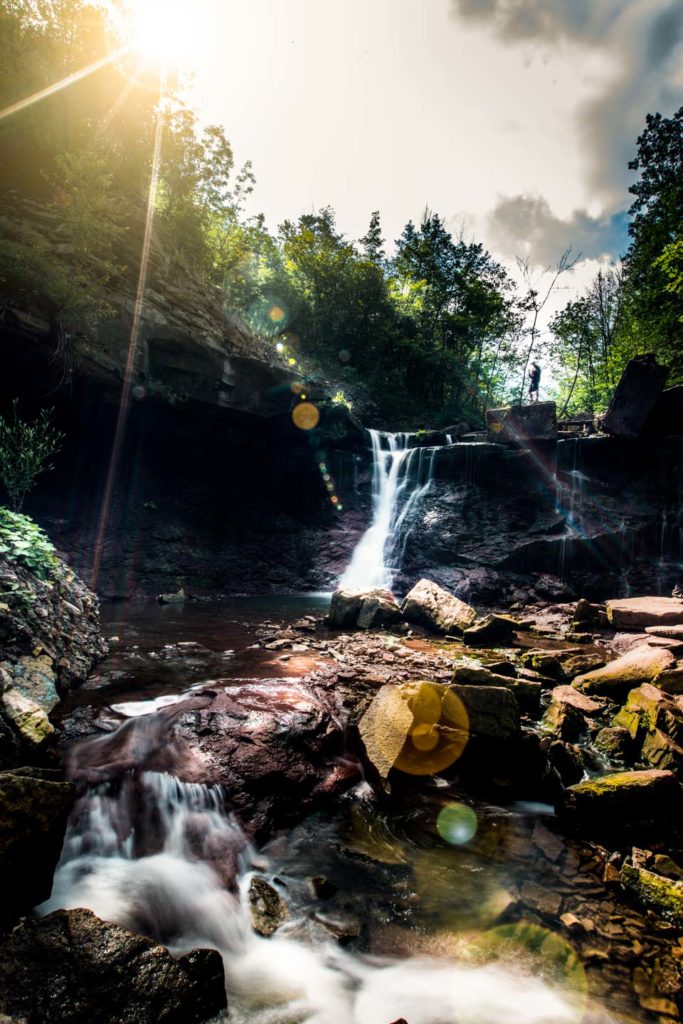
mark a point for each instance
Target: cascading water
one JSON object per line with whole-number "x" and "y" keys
{"x": 401, "y": 477}
{"x": 166, "y": 858}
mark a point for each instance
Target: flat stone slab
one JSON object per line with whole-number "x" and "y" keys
{"x": 667, "y": 632}
{"x": 642, "y": 612}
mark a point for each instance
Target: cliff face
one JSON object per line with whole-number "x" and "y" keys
{"x": 217, "y": 491}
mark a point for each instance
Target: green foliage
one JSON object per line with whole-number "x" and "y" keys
{"x": 22, "y": 541}
{"x": 339, "y": 398}
{"x": 653, "y": 264}
{"x": 25, "y": 452}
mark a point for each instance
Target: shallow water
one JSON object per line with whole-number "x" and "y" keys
{"x": 407, "y": 923}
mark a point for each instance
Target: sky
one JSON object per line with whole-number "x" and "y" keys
{"x": 514, "y": 120}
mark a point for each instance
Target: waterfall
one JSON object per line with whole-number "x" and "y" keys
{"x": 166, "y": 858}
{"x": 401, "y": 477}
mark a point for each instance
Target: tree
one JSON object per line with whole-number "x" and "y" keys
{"x": 534, "y": 302}
{"x": 25, "y": 452}
{"x": 656, "y": 231}
{"x": 372, "y": 243}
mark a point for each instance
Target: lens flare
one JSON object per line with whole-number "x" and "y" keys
{"x": 439, "y": 730}
{"x": 456, "y": 824}
{"x": 306, "y": 416}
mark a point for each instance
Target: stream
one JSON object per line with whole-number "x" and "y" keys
{"x": 391, "y": 915}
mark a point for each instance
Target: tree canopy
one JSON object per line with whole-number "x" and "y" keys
{"x": 429, "y": 330}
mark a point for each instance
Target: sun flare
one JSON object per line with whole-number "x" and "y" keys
{"x": 165, "y": 32}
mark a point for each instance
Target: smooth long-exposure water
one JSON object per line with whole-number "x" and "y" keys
{"x": 408, "y": 925}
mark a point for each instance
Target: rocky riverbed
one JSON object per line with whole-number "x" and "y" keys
{"x": 439, "y": 787}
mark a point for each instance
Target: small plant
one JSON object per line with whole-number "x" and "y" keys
{"x": 25, "y": 452}
{"x": 22, "y": 541}
{"x": 339, "y": 398}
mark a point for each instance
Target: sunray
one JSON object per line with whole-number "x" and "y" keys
{"x": 50, "y": 90}
{"x": 124, "y": 403}
{"x": 118, "y": 103}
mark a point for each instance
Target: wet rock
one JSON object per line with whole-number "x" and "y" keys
{"x": 640, "y": 665}
{"x": 622, "y": 803}
{"x": 492, "y": 630}
{"x": 267, "y": 908}
{"x": 635, "y": 397}
{"x": 615, "y": 743}
{"x": 542, "y": 899}
{"x": 177, "y": 597}
{"x": 654, "y": 891}
{"x": 429, "y": 605}
{"x": 519, "y": 423}
{"x": 71, "y": 967}
{"x": 34, "y": 806}
{"x": 638, "y": 613}
{"x": 567, "y": 761}
{"x": 367, "y": 609}
{"x": 322, "y": 888}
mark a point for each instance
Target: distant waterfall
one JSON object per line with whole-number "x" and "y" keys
{"x": 401, "y": 477}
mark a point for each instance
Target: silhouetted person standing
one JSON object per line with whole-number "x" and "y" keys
{"x": 534, "y": 381}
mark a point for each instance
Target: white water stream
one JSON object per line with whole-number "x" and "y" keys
{"x": 401, "y": 477}
{"x": 177, "y": 896}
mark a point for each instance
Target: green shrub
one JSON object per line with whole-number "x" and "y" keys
{"x": 25, "y": 451}
{"x": 22, "y": 541}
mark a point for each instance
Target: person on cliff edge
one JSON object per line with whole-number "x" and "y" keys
{"x": 534, "y": 381}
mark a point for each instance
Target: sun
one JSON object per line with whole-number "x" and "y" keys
{"x": 165, "y": 32}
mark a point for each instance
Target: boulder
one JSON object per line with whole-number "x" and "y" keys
{"x": 641, "y": 665}
{"x": 527, "y": 693}
{"x": 654, "y": 719}
{"x": 671, "y": 681}
{"x": 648, "y": 708}
{"x": 622, "y": 803}
{"x": 635, "y": 397}
{"x": 616, "y": 743}
{"x": 71, "y": 967}
{"x": 428, "y": 604}
{"x": 565, "y": 714}
{"x": 35, "y": 679}
{"x": 567, "y": 761}
{"x": 654, "y": 892}
{"x": 493, "y": 711}
{"x": 517, "y": 424}
{"x": 28, "y": 721}
{"x": 637, "y": 613}
{"x": 418, "y": 727}
{"x": 491, "y": 631}
{"x": 363, "y": 609}
{"x": 266, "y": 906}
{"x": 34, "y": 806}
{"x": 667, "y": 415}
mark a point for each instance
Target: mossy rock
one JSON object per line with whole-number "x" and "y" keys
{"x": 655, "y": 892}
